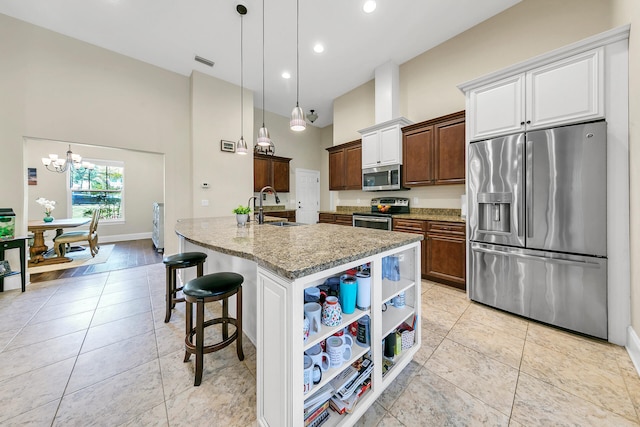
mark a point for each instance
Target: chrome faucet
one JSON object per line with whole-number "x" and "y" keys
{"x": 260, "y": 210}
{"x": 254, "y": 206}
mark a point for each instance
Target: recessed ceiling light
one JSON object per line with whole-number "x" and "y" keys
{"x": 318, "y": 48}
{"x": 369, "y": 6}
{"x": 286, "y": 75}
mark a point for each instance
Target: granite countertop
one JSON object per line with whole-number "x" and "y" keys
{"x": 291, "y": 252}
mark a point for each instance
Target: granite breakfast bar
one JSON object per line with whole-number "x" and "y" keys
{"x": 278, "y": 263}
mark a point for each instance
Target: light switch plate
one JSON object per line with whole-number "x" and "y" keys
{"x": 204, "y": 202}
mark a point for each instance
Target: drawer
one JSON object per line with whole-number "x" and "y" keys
{"x": 327, "y": 218}
{"x": 451, "y": 228}
{"x": 409, "y": 225}
{"x": 344, "y": 219}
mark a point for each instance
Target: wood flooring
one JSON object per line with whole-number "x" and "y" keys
{"x": 128, "y": 254}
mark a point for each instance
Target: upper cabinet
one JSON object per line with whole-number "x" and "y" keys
{"x": 382, "y": 143}
{"x": 558, "y": 93}
{"x": 434, "y": 151}
{"x": 345, "y": 170}
{"x": 270, "y": 170}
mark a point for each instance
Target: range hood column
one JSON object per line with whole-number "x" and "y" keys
{"x": 387, "y": 88}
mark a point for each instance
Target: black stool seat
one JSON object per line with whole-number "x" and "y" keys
{"x": 172, "y": 264}
{"x": 213, "y": 285}
{"x": 199, "y": 291}
{"x": 185, "y": 259}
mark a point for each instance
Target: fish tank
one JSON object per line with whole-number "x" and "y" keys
{"x": 7, "y": 224}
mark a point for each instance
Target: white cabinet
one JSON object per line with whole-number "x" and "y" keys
{"x": 562, "y": 92}
{"x": 157, "y": 233}
{"x": 281, "y": 346}
{"x": 382, "y": 143}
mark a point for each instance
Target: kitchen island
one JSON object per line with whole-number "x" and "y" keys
{"x": 278, "y": 263}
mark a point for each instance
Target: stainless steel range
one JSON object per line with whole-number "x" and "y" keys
{"x": 382, "y": 211}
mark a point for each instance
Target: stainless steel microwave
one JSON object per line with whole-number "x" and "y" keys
{"x": 381, "y": 178}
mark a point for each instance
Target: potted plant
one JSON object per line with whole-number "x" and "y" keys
{"x": 242, "y": 215}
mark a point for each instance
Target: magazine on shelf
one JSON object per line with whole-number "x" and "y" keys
{"x": 363, "y": 373}
{"x": 319, "y": 397}
{"x": 324, "y": 416}
{"x": 316, "y": 413}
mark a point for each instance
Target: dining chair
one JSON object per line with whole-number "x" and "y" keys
{"x": 91, "y": 236}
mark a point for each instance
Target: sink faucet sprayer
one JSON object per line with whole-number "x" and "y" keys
{"x": 260, "y": 210}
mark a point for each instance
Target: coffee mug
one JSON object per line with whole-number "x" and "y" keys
{"x": 339, "y": 349}
{"x": 314, "y": 295}
{"x": 319, "y": 357}
{"x": 313, "y": 311}
{"x": 309, "y": 369}
{"x": 348, "y": 293}
{"x": 305, "y": 328}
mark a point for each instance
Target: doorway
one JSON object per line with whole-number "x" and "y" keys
{"x": 307, "y": 196}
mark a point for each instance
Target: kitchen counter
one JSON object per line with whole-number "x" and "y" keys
{"x": 278, "y": 264}
{"x": 426, "y": 216}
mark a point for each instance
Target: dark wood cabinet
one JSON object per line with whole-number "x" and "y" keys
{"x": 340, "y": 219}
{"x": 418, "y": 227}
{"x": 446, "y": 253}
{"x": 270, "y": 170}
{"x": 443, "y": 249}
{"x": 434, "y": 151}
{"x": 345, "y": 166}
{"x": 288, "y": 215}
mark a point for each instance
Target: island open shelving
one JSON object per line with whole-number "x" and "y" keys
{"x": 278, "y": 264}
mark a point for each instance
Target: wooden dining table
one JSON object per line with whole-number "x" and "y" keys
{"x": 39, "y": 249}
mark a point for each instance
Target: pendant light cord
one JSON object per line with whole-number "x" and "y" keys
{"x": 263, "y": 94}
{"x": 241, "y": 79}
{"x": 297, "y": 52}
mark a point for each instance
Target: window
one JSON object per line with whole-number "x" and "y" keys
{"x": 101, "y": 187}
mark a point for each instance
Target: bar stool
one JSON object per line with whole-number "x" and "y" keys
{"x": 172, "y": 264}
{"x": 201, "y": 290}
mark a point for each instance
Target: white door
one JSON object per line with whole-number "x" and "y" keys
{"x": 307, "y": 196}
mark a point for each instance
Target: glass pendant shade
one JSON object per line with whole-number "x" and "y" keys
{"x": 241, "y": 146}
{"x": 297, "y": 123}
{"x": 263, "y": 136}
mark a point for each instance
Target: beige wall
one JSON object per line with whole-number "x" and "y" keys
{"x": 304, "y": 148}
{"x": 144, "y": 184}
{"x": 57, "y": 88}
{"x": 624, "y": 12}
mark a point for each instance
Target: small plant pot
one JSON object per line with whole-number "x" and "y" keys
{"x": 242, "y": 219}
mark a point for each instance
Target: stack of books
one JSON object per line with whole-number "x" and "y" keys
{"x": 317, "y": 416}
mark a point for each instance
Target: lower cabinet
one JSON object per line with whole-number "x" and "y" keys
{"x": 288, "y": 215}
{"x": 340, "y": 219}
{"x": 446, "y": 253}
{"x": 443, "y": 249}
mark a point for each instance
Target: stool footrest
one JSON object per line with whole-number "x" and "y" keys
{"x": 191, "y": 347}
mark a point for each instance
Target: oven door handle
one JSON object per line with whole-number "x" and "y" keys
{"x": 370, "y": 219}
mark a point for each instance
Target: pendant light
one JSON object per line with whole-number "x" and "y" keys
{"x": 241, "y": 146}
{"x": 297, "y": 123}
{"x": 263, "y": 133}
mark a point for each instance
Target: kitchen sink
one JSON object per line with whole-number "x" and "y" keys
{"x": 284, "y": 223}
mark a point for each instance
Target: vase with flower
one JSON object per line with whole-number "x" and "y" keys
{"x": 48, "y": 205}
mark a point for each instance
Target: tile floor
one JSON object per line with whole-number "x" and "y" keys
{"x": 93, "y": 350}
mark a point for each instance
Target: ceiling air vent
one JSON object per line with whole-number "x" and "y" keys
{"x": 204, "y": 61}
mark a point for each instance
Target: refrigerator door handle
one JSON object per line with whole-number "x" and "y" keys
{"x": 582, "y": 264}
{"x": 529, "y": 187}
{"x": 520, "y": 218}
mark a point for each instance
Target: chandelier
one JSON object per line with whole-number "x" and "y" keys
{"x": 71, "y": 161}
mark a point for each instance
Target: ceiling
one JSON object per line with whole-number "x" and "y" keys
{"x": 169, "y": 33}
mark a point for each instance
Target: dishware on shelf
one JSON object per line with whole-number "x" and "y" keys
{"x": 363, "y": 298}
{"x": 348, "y": 293}
{"x": 331, "y": 312}
{"x": 363, "y": 337}
{"x": 331, "y": 286}
{"x": 319, "y": 357}
{"x": 314, "y": 294}
{"x": 394, "y": 268}
{"x": 399, "y": 300}
{"x": 339, "y": 349}
{"x": 306, "y": 328}
{"x": 310, "y": 370}
{"x": 390, "y": 345}
{"x": 313, "y": 311}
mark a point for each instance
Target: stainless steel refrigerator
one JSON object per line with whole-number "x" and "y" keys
{"x": 538, "y": 225}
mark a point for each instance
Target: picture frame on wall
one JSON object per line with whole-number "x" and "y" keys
{"x": 32, "y": 176}
{"x": 228, "y": 146}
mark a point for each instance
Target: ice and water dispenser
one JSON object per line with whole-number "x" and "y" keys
{"x": 494, "y": 212}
